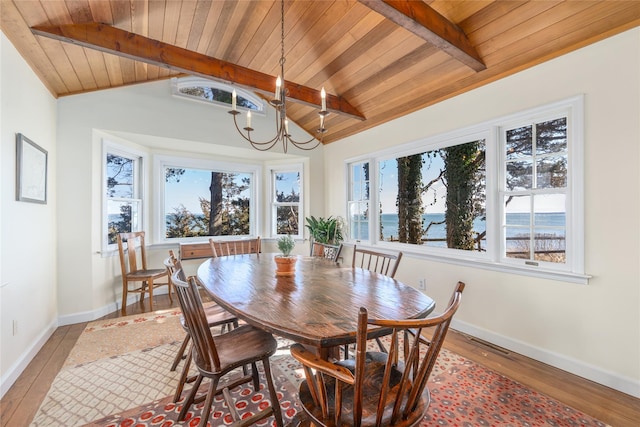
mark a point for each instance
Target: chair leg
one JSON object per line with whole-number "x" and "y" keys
{"x": 183, "y": 376}
{"x": 123, "y": 309}
{"x": 180, "y": 354}
{"x": 151, "y": 295}
{"x": 255, "y": 376}
{"x": 204, "y": 416}
{"x": 170, "y": 290}
{"x": 275, "y": 404}
{"x": 189, "y": 400}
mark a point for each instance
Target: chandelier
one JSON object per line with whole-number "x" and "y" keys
{"x": 279, "y": 103}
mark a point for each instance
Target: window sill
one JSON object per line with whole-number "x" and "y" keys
{"x": 562, "y": 276}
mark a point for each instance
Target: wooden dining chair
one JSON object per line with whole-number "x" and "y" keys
{"x": 327, "y": 251}
{"x": 217, "y": 357}
{"x": 374, "y": 389}
{"x": 381, "y": 262}
{"x": 216, "y": 316}
{"x": 385, "y": 263}
{"x": 133, "y": 264}
{"x": 235, "y": 247}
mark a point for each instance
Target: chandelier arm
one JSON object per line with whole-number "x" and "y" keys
{"x": 258, "y": 145}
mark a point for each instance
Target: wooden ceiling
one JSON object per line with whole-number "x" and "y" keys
{"x": 378, "y": 60}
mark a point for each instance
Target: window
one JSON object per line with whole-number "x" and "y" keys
{"x": 122, "y": 192}
{"x": 534, "y": 191}
{"x": 504, "y": 194}
{"x": 218, "y": 93}
{"x": 358, "y": 204}
{"x": 202, "y": 199}
{"x": 286, "y": 201}
{"x": 435, "y": 198}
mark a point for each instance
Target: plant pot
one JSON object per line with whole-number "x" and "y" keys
{"x": 285, "y": 266}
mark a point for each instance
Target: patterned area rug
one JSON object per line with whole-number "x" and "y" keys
{"x": 118, "y": 375}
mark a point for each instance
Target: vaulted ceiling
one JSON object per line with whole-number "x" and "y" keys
{"x": 377, "y": 59}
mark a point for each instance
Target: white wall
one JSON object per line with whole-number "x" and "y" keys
{"x": 28, "y": 274}
{"x": 149, "y": 118}
{"x": 592, "y": 330}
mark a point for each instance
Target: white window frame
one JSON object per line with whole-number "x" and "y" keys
{"x": 490, "y": 131}
{"x": 286, "y": 168}
{"x": 351, "y": 201}
{"x": 138, "y": 157}
{"x": 185, "y": 82}
{"x": 160, "y": 162}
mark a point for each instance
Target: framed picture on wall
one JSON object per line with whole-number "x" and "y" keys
{"x": 31, "y": 171}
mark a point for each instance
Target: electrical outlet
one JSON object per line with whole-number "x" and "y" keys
{"x": 422, "y": 284}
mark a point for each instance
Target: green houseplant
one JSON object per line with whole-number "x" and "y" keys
{"x": 286, "y": 245}
{"x": 285, "y": 263}
{"x": 325, "y": 230}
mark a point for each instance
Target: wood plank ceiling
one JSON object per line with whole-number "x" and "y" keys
{"x": 384, "y": 59}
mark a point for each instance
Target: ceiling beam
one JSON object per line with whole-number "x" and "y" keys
{"x": 106, "y": 38}
{"x": 426, "y": 23}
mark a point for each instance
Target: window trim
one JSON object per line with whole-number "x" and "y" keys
{"x": 490, "y": 131}
{"x": 139, "y": 157}
{"x": 191, "y": 81}
{"x": 162, "y": 161}
{"x": 283, "y": 168}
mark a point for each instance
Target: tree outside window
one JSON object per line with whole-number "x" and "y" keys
{"x": 535, "y": 185}
{"x": 286, "y": 203}
{"x": 201, "y": 202}
{"x": 122, "y": 195}
{"x": 435, "y": 198}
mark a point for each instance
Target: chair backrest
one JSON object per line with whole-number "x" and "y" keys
{"x": 393, "y": 394}
{"x": 235, "y": 247}
{"x": 135, "y": 258}
{"x": 325, "y": 250}
{"x": 205, "y": 352}
{"x": 380, "y": 262}
{"x": 173, "y": 264}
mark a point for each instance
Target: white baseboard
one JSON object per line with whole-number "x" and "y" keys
{"x": 11, "y": 375}
{"x": 610, "y": 379}
{"x": 90, "y": 316}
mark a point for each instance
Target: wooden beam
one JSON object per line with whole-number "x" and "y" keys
{"x": 115, "y": 41}
{"x": 426, "y": 23}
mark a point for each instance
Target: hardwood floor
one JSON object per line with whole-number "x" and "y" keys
{"x": 20, "y": 403}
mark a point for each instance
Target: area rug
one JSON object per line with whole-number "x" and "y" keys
{"x": 118, "y": 375}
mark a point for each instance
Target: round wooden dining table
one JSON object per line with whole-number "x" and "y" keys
{"x": 317, "y": 306}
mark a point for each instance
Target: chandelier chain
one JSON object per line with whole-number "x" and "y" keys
{"x": 279, "y": 103}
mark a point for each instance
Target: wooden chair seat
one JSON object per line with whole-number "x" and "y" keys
{"x": 216, "y": 316}
{"x": 216, "y": 358}
{"x": 133, "y": 266}
{"x": 373, "y": 382}
{"x": 375, "y": 388}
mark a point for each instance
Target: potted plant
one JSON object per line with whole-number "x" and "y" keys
{"x": 285, "y": 263}
{"x": 325, "y": 230}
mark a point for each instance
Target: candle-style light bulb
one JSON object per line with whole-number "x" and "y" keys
{"x": 233, "y": 100}
{"x": 323, "y": 95}
{"x": 286, "y": 126}
{"x": 278, "y": 85}
{"x": 248, "y": 119}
